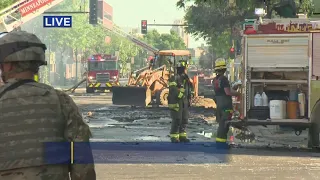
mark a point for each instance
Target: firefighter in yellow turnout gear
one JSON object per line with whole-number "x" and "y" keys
{"x": 223, "y": 99}
{"x": 179, "y": 101}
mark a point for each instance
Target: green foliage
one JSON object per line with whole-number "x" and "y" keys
{"x": 91, "y": 39}
{"x": 219, "y": 21}
{"x": 164, "y": 41}
{"x": 127, "y": 50}
{"x": 6, "y": 3}
{"x": 44, "y": 74}
{"x": 306, "y": 7}
{"x": 83, "y": 38}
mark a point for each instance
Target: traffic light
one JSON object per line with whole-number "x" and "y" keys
{"x": 93, "y": 15}
{"x": 232, "y": 54}
{"x": 144, "y": 26}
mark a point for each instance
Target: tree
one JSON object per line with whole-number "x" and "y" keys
{"x": 127, "y": 51}
{"x": 82, "y": 38}
{"x": 91, "y": 39}
{"x": 6, "y": 3}
{"x": 164, "y": 41}
{"x": 219, "y": 21}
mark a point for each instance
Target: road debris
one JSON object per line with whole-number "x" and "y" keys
{"x": 203, "y": 102}
{"x": 89, "y": 114}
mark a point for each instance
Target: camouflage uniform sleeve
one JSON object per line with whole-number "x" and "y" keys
{"x": 76, "y": 130}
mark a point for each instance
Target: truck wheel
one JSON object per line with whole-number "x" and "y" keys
{"x": 163, "y": 97}
{"x": 314, "y": 130}
{"x": 89, "y": 90}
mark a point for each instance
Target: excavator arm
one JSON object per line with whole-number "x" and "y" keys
{"x": 149, "y": 81}
{"x": 22, "y": 11}
{"x": 133, "y": 39}
{"x": 137, "y": 75}
{"x": 156, "y": 75}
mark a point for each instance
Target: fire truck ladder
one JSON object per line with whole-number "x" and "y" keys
{"x": 21, "y": 12}
{"x": 135, "y": 40}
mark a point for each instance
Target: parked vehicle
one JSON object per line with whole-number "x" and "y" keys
{"x": 103, "y": 73}
{"x": 281, "y": 63}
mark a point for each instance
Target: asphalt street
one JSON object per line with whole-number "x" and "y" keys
{"x": 268, "y": 157}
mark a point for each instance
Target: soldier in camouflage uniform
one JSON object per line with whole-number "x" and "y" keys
{"x": 179, "y": 100}
{"x": 32, "y": 113}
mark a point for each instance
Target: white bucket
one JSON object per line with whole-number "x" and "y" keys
{"x": 277, "y": 109}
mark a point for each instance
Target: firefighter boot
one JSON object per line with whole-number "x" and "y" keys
{"x": 174, "y": 138}
{"x": 183, "y": 138}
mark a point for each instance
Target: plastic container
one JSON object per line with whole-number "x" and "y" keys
{"x": 292, "y": 109}
{"x": 257, "y": 100}
{"x": 277, "y": 109}
{"x": 259, "y": 112}
{"x": 293, "y": 95}
{"x": 302, "y": 104}
{"x": 264, "y": 99}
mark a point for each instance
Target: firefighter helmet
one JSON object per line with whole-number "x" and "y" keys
{"x": 220, "y": 64}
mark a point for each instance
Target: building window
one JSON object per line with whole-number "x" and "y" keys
{"x": 107, "y": 16}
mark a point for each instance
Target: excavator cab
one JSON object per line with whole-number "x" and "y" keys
{"x": 150, "y": 84}
{"x": 170, "y": 58}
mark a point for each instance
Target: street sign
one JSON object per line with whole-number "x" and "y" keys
{"x": 248, "y": 23}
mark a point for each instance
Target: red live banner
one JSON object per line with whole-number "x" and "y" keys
{"x": 32, "y": 6}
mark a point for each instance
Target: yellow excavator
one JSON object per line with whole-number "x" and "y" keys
{"x": 149, "y": 85}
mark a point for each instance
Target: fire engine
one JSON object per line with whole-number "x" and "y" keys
{"x": 103, "y": 72}
{"x": 281, "y": 61}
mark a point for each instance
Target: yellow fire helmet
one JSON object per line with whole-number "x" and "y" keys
{"x": 220, "y": 64}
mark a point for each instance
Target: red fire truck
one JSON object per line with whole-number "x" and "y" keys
{"x": 103, "y": 73}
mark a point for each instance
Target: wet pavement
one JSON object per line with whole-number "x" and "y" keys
{"x": 140, "y": 124}
{"x": 259, "y": 159}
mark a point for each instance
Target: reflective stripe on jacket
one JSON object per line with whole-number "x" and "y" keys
{"x": 174, "y": 106}
{"x": 173, "y": 103}
{"x": 179, "y": 91}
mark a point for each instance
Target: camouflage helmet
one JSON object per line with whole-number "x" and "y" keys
{"x": 21, "y": 46}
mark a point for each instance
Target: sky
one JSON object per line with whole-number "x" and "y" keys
{"x": 129, "y": 13}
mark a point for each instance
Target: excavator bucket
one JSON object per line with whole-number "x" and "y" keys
{"x": 131, "y": 95}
